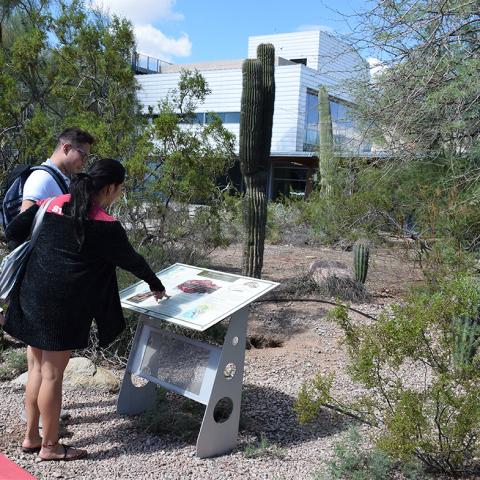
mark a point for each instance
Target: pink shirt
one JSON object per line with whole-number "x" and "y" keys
{"x": 96, "y": 213}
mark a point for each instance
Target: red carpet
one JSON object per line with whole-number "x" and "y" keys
{"x": 11, "y": 471}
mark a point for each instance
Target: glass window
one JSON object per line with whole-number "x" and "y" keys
{"x": 302, "y": 61}
{"x": 211, "y": 116}
{"x": 225, "y": 117}
{"x": 196, "y": 118}
{"x": 232, "y": 117}
{"x": 344, "y": 131}
{"x": 289, "y": 180}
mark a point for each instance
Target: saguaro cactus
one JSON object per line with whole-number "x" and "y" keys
{"x": 361, "y": 254}
{"x": 326, "y": 158}
{"x": 467, "y": 341}
{"x": 266, "y": 55}
{"x": 256, "y": 119}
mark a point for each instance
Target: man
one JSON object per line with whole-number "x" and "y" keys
{"x": 69, "y": 157}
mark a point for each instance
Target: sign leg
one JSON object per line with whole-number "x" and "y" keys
{"x": 132, "y": 399}
{"x": 219, "y": 430}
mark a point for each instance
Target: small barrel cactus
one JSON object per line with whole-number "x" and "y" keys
{"x": 361, "y": 254}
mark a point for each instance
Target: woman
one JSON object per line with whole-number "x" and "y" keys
{"x": 69, "y": 280}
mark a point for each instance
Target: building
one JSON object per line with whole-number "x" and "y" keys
{"x": 304, "y": 61}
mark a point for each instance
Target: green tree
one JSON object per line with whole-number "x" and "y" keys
{"x": 182, "y": 169}
{"x": 67, "y": 66}
{"x": 422, "y": 108}
{"x": 424, "y": 101}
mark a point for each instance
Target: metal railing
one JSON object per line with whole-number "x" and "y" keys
{"x": 144, "y": 64}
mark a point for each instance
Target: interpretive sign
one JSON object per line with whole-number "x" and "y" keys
{"x": 199, "y": 297}
{"x": 206, "y": 373}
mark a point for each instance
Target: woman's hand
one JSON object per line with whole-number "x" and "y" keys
{"x": 160, "y": 294}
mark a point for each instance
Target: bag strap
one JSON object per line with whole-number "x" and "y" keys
{"x": 37, "y": 222}
{"x": 56, "y": 176}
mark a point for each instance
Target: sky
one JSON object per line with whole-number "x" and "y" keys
{"x": 185, "y": 31}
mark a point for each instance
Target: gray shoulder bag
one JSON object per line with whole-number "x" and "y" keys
{"x": 12, "y": 264}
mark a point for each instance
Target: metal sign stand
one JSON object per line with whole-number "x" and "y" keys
{"x": 220, "y": 388}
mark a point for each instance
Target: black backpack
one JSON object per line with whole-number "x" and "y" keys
{"x": 12, "y": 192}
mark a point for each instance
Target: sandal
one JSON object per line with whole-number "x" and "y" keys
{"x": 31, "y": 449}
{"x": 67, "y": 448}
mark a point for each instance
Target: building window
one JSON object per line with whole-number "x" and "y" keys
{"x": 345, "y": 135}
{"x": 195, "y": 119}
{"x": 302, "y": 61}
{"x": 289, "y": 180}
{"x": 225, "y": 117}
{"x": 232, "y": 117}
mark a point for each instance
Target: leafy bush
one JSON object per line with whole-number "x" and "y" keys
{"x": 424, "y": 402}
{"x": 418, "y": 199}
{"x": 13, "y": 363}
{"x": 354, "y": 460}
{"x": 285, "y": 224}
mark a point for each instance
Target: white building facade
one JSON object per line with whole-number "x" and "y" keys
{"x": 304, "y": 61}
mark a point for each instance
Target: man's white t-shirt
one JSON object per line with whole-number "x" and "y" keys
{"x": 41, "y": 184}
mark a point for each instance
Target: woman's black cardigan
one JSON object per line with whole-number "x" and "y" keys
{"x": 63, "y": 289}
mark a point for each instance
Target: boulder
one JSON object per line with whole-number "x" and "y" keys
{"x": 81, "y": 373}
{"x": 323, "y": 269}
{"x": 79, "y": 366}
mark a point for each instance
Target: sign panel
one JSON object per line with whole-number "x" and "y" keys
{"x": 179, "y": 364}
{"x": 199, "y": 297}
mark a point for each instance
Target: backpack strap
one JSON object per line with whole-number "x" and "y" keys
{"x": 56, "y": 176}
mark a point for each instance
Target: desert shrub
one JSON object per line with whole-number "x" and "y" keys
{"x": 263, "y": 448}
{"x": 422, "y": 399}
{"x": 303, "y": 284}
{"x": 443, "y": 259}
{"x": 353, "y": 459}
{"x": 342, "y": 288}
{"x": 13, "y": 362}
{"x": 345, "y": 289}
{"x": 421, "y": 199}
{"x": 285, "y": 223}
{"x": 358, "y": 209}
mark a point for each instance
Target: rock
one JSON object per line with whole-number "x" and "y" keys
{"x": 80, "y": 366}
{"x": 81, "y": 373}
{"x": 20, "y": 381}
{"x": 323, "y": 269}
{"x": 106, "y": 380}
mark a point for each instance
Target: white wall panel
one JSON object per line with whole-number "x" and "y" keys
{"x": 336, "y": 62}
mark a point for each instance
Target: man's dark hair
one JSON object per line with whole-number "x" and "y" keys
{"x": 75, "y": 136}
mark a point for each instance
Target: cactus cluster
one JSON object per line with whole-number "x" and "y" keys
{"x": 361, "y": 255}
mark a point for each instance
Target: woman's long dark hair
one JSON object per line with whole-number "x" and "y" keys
{"x": 85, "y": 186}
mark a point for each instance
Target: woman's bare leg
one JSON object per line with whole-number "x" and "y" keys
{"x": 50, "y": 402}
{"x": 53, "y": 365}
{"x": 32, "y": 435}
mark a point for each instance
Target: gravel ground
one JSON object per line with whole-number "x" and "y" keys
{"x": 120, "y": 449}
